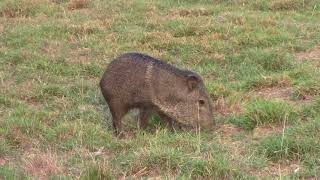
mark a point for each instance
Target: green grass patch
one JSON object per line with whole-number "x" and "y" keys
{"x": 8, "y": 172}
{"x": 262, "y": 112}
{"x": 53, "y": 52}
{"x": 25, "y": 8}
{"x": 97, "y": 171}
{"x": 312, "y": 110}
{"x": 180, "y": 154}
{"x": 299, "y": 143}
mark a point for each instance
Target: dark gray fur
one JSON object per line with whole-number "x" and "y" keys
{"x": 135, "y": 80}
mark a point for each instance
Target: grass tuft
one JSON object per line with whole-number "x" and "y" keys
{"x": 261, "y": 112}
{"x": 98, "y": 172}
{"x": 296, "y": 143}
{"x": 8, "y": 172}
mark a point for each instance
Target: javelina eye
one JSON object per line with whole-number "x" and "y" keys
{"x": 201, "y": 102}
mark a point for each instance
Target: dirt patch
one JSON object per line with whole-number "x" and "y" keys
{"x": 41, "y": 164}
{"x": 1, "y": 28}
{"x": 235, "y": 147}
{"x": 189, "y": 12}
{"x": 52, "y": 48}
{"x": 87, "y": 154}
{"x": 82, "y": 59}
{"x": 58, "y": 1}
{"x": 313, "y": 54}
{"x": 216, "y": 36}
{"x": 80, "y": 56}
{"x": 78, "y": 4}
{"x": 261, "y": 132}
{"x": 282, "y": 93}
{"x": 305, "y": 96}
{"x": 157, "y": 35}
{"x": 228, "y": 130}
{"x": 82, "y": 30}
{"x": 278, "y": 169}
{"x": 17, "y": 138}
{"x": 27, "y": 95}
{"x": 8, "y": 14}
{"x": 86, "y": 11}
{"x": 84, "y": 108}
{"x": 6, "y": 83}
{"x": 102, "y": 153}
{"x": 3, "y": 161}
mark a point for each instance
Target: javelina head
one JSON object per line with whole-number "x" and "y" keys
{"x": 195, "y": 108}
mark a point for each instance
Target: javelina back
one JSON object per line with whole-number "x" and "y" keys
{"x": 136, "y": 80}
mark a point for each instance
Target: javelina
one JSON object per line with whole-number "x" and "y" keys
{"x": 136, "y": 80}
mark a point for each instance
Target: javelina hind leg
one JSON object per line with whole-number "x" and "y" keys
{"x": 167, "y": 120}
{"x": 117, "y": 112}
{"x": 144, "y": 117}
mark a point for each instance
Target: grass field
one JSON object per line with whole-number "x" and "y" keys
{"x": 260, "y": 60}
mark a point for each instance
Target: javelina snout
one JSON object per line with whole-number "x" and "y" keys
{"x": 135, "y": 80}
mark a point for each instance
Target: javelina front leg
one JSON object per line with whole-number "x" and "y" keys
{"x": 144, "y": 117}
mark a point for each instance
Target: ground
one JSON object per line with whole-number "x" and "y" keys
{"x": 260, "y": 61}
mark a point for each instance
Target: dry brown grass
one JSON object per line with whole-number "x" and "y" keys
{"x": 227, "y": 133}
{"x": 224, "y": 108}
{"x": 80, "y": 56}
{"x": 41, "y": 164}
{"x": 52, "y": 48}
{"x": 1, "y": 28}
{"x": 275, "y": 170}
{"x": 18, "y": 138}
{"x": 189, "y": 12}
{"x": 78, "y": 4}
{"x": 26, "y": 93}
{"x": 3, "y": 161}
{"x": 281, "y": 93}
{"x": 263, "y": 131}
{"x": 313, "y": 54}
{"x": 285, "y": 5}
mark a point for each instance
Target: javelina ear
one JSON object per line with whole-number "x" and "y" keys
{"x": 192, "y": 81}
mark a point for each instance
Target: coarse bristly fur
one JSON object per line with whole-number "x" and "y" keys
{"x": 136, "y": 80}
